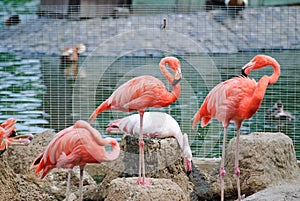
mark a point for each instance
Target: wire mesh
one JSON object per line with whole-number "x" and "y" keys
{"x": 42, "y": 89}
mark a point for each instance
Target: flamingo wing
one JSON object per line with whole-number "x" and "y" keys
{"x": 64, "y": 143}
{"x": 156, "y": 124}
{"x": 227, "y": 101}
{"x": 138, "y": 93}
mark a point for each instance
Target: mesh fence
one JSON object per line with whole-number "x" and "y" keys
{"x": 47, "y": 85}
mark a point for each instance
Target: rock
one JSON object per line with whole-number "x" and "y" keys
{"x": 203, "y": 180}
{"x": 17, "y": 186}
{"x": 162, "y": 160}
{"x": 20, "y": 158}
{"x": 161, "y": 189}
{"x": 265, "y": 159}
{"x": 289, "y": 190}
{"x": 159, "y": 154}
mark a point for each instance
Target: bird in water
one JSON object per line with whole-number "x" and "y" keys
{"x": 234, "y": 100}
{"x": 12, "y": 20}
{"x": 77, "y": 145}
{"x": 157, "y": 125}
{"x": 277, "y": 112}
{"x": 140, "y": 93}
{"x": 69, "y": 60}
{"x": 9, "y": 137}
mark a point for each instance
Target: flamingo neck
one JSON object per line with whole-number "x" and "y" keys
{"x": 176, "y": 91}
{"x": 274, "y": 77}
{"x": 175, "y": 87}
{"x": 165, "y": 72}
{"x": 114, "y": 154}
{"x": 179, "y": 138}
{"x": 183, "y": 142}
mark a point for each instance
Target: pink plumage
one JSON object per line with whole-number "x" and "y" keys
{"x": 140, "y": 93}
{"x": 75, "y": 146}
{"x": 234, "y": 100}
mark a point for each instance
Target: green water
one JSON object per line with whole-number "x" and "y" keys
{"x": 22, "y": 92}
{"x": 38, "y": 93}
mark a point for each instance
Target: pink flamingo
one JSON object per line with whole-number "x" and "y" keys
{"x": 8, "y": 136}
{"x": 75, "y": 146}
{"x": 156, "y": 124}
{"x": 237, "y": 99}
{"x": 140, "y": 93}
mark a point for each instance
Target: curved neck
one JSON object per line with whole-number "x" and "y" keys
{"x": 175, "y": 88}
{"x": 179, "y": 138}
{"x": 165, "y": 72}
{"x": 114, "y": 154}
{"x": 183, "y": 144}
{"x": 176, "y": 91}
{"x": 274, "y": 77}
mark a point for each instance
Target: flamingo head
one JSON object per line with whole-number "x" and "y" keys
{"x": 178, "y": 76}
{"x": 187, "y": 153}
{"x": 259, "y": 61}
{"x": 175, "y": 66}
{"x": 114, "y": 127}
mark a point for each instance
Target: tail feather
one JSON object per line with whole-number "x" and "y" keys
{"x": 98, "y": 110}
{"x": 40, "y": 166}
{"x": 203, "y": 115}
{"x": 38, "y": 163}
{"x": 196, "y": 119}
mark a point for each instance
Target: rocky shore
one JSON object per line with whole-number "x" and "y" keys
{"x": 187, "y": 33}
{"x": 269, "y": 171}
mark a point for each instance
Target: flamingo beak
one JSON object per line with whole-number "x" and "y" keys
{"x": 21, "y": 140}
{"x": 247, "y": 68}
{"x": 113, "y": 130}
{"x": 178, "y": 76}
{"x": 188, "y": 166}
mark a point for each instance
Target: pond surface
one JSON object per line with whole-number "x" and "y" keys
{"x": 39, "y": 94}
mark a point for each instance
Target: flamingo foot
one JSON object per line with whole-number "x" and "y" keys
{"x": 145, "y": 182}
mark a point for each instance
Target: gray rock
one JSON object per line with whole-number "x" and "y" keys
{"x": 161, "y": 189}
{"x": 266, "y": 159}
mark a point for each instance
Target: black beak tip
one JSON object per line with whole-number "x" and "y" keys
{"x": 176, "y": 81}
{"x": 188, "y": 173}
{"x": 243, "y": 73}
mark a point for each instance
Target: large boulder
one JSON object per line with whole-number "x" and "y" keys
{"x": 289, "y": 190}
{"x": 123, "y": 189}
{"x": 265, "y": 159}
{"x": 162, "y": 160}
{"x": 14, "y": 186}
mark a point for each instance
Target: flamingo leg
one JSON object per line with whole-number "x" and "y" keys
{"x": 222, "y": 168}
{"x": 236, "y": 163}
{"x": 142, "y": 178}
{"x": 81, "y": 183}
{"x": 68, "y": 184}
